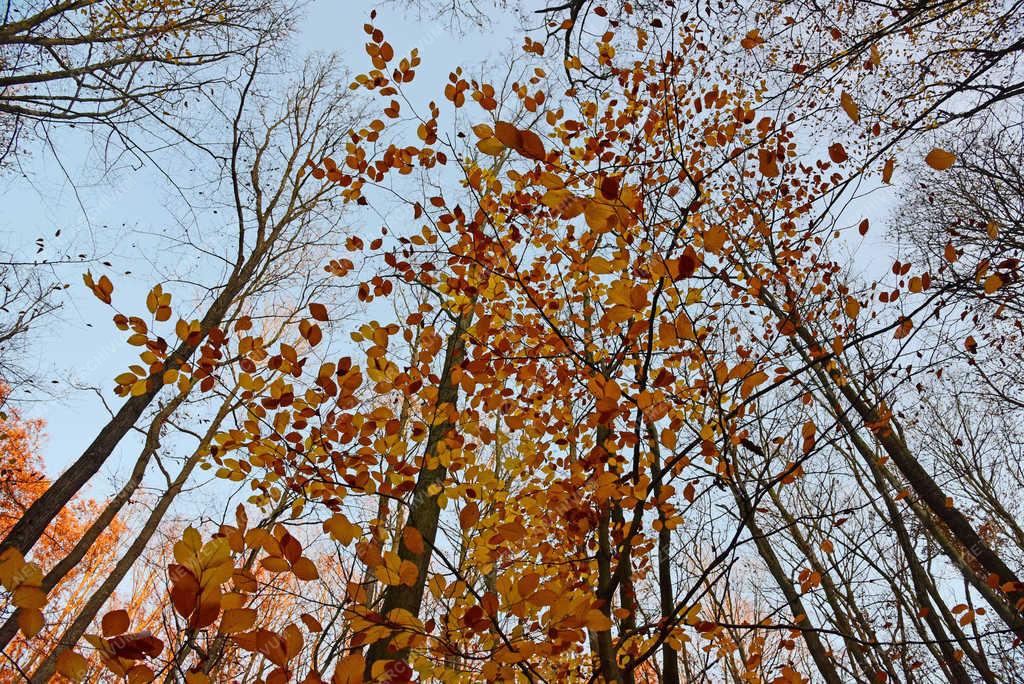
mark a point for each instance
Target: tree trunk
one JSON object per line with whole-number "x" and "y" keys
{"x": 26, "y": 532}
{"x": 424, "y": 510}
{"x": 819, "y": 653}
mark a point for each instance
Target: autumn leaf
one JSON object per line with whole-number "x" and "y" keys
{"x": 73, "y": 666}
{"x": 752, "y": 39}
{"x": 940, "y": 159}
{"x": 305, "y": 570}
{"x": 837, "y": 153}
{"x": 887, "y": 169}
{"x": 237, "y": 620}
{"x": 849, "y": 106}
{"x": 115, "y": 622}
{"x": 318, "y": 311}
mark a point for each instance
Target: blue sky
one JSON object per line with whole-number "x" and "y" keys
{"x": 118, "y": 217}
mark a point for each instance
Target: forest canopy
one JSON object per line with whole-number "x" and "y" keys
{"x": 588, "y": 341}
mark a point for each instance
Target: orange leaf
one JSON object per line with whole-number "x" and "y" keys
{"x": 837, "y": 153}
{"x": 903, "y": 329}
{"x": 72, "y": 665}
{"x": 714, "y": 238}
{"x": 349, "y": 670}
{"x": 508, "y": 135}
{"x": 950, "y": 252}
{"x": 237, "y": 620}
{"x": 993, "y": 283}
{"x": 305, "y": 570}
{"x": 531, "y": 146}
{"x": 887, "y": 170}
{"x": 940, "y": 159}
{"x": 469, "y": 515}
{"x": 30, "y": 621}
{"x": 849, "y": 106}
{"x": 413, "y": 540}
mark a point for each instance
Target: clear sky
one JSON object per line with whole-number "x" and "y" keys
{"x": 118, "y": 218}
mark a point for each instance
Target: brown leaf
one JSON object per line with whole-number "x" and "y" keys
{"x": 115, "y": 622}
{"x": 318, "y": 311}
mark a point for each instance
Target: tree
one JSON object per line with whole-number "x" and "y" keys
{"x": 112, "y": 64}
{"x": 630, "y": 416}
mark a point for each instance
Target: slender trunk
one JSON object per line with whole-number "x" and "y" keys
{"x": 921, "y": 482}
{"x": 605, "y": 648}
{"x": 818, "y": 650}
{"x": 99, "y": 597}
{"x": 424, "y": 510}
{"x": 666, "y": 599}
{"x": 923, "y": 586}
{"x": 30, "y": 527}
{"x": 627, "y": 592}
{"x": 832, "y": 594}
{"x": 59, "y": 571}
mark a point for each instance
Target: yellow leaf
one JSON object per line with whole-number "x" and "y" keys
{"x": 852, "y": 307}
{"x": 940, "y": 159}
{"x": 491, "y": 146}
{"x": 597, "y": 621}
{"x": 72, "y": 665}
{"x": 599, "y": 265}
{"x": 340, "y": 529}
{"x": 598, "y": 215}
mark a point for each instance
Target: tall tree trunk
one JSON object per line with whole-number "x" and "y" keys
{"x": 99, "y": 597}
{"x": 921, "y": 482}
{"x": 605, "y": 648}
{"x": 666, "y": 599}
{"x": 627, "y": 591}
{"x": 424, "y": 510}
{"x": 30, "y": 527}
{"x": 819, "y": 652}
{"x": 59, "y": 571}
